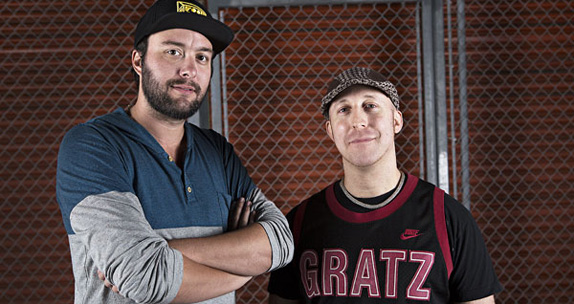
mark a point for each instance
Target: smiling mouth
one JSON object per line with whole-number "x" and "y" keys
{"x": 361, "y": 140}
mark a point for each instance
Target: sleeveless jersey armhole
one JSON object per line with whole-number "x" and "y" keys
{"x": 298, "y": 221}
{"x": 441, "y": 231}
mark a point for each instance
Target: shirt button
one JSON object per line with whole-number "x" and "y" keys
{"x": 170, "y": 158}
{"x": 189, "y": 189}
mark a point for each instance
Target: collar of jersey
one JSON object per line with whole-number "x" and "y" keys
{"x": 365, "y": 217}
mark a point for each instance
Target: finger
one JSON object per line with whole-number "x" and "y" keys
{"x": 107, "y": 283}
{"x": 101, "y": 276}
{"x": 252, "y": 217}
{"x": 245, "y": 212}
{"x": 235, "y": 213}
{"x": 114, "y": 288}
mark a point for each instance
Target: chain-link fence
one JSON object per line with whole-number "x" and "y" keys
{"x": 64, "y": 62}
{"x": 520, "y": 111}
{"x": 276, "y": 72}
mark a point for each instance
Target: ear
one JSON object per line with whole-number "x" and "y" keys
{"x": 137, "y": 62}
{"x": 329, "y": 129}
{"x": 398, "y": 121}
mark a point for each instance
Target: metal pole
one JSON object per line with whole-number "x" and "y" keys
{"x": 435, "y": 94}
{"x": 461, "y": 34}
{"x": 451, "y": 103}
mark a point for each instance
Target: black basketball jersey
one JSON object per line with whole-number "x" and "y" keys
{"x": 397, "y": 254}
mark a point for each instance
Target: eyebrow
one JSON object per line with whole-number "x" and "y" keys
{"x": 182, "y": 45}
{"x": 345, "y": 98}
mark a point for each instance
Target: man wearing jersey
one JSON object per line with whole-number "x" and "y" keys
{"x": 379, "y": 235}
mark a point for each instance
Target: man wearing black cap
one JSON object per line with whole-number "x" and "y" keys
{"x": 379, "y": 235}
{"x": 158, "y": 210}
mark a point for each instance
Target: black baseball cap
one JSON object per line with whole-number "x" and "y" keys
{"x": 170, "y": 14}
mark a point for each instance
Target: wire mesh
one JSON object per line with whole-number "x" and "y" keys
{"x": 520, "y": 75}
{"x": 278, "y": 69}
{"x": 62, "y": 62}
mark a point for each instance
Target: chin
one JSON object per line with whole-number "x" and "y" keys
{"x": 362, "y": 162}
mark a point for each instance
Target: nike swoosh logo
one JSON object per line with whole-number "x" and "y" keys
{"x": 406, "y": 237}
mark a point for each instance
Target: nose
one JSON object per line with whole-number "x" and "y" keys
{"x": 188, "y": 69}
{"x": 358, "y": 119}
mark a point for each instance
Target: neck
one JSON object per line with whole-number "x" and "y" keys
{"x": 169, "y": 133}
{"x": 372, "y": 181}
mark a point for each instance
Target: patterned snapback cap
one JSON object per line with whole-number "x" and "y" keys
{"x": 361, "y": 76}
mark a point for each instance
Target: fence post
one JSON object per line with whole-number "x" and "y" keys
{"x": 436, "y": 133}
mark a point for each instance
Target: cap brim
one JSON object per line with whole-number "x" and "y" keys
{"x": 338, "y": 89}
{"x": 343, "y": 86}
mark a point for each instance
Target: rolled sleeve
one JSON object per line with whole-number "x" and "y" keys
{"x": 276, "y": 227}
{"x": 113, "y": 228}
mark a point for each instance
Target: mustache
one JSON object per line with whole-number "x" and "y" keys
{"x": 193, "y": 84}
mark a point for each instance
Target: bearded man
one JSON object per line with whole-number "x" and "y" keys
{"x": 156, "y": 209}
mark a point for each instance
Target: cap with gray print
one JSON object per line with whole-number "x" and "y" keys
{"x": 359, "y": 76}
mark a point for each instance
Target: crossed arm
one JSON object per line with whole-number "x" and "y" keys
{"x": 244, "y": 250}
{"x": 225, "y": 262}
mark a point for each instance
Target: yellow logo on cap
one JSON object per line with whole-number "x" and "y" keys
{"x": 186, "y": 7}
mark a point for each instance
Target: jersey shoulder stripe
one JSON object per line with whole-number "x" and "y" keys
{"x": 440, "y": 224}
{"x": 298, "y": 221}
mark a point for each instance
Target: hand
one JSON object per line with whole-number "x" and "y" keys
{"x": 240, "y": 215}
{"x": 107, "y": 283}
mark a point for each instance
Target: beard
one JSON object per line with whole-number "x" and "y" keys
{"x": 159, "y": 99}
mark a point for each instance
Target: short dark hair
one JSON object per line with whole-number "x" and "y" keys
{"x": 325, "y": 111}
{"x": 142, "y": 49}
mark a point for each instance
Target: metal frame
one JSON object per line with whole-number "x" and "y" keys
{"x": 464, "y": 137}
{"x": 214, "y": 5}
{"x": 433, "y": 84}
{"x": 436, "y": 133}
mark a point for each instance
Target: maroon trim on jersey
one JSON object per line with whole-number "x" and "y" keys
{"x": 440, "y": 223}
{"x": 356, "y": 217}
{"x": 298, "y": 221}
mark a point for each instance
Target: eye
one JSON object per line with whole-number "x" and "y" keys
{"x": 203, "y": 58}
{"x": 370, "y": 106}
{"x": 174, "y": 52}
{"x": 343, "y": 110}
